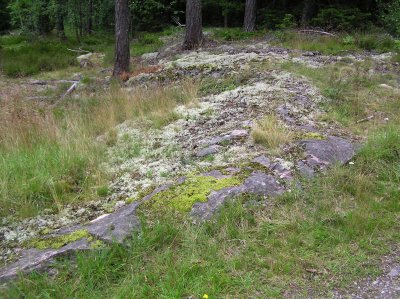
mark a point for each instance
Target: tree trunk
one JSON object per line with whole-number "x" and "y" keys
{"x": 194, "y": 34}
{"x": 80, "y": 20}
{"x": 226, "y": 20}
{"x": 249, "y": 24}
{"x": 122, "y": 56}
{"x": 308, "y": 7}
{"x": 60, "y": 20}
{"x": 90, "y": 18}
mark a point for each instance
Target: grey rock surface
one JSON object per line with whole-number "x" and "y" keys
{"x": 150, "y": 56}
{"x": 213, "y": 149}
{"x": 332, "y": 150}
{"x": 39, "y": 260}
{"x": 116, "y": 226}
{"x": 257, "y": 183}
{"x": 263, "y": 160}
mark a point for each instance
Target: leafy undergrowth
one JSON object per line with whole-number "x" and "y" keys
{"x": 234, "y": 34}
{"x": 320, "y": 237}
{"x": 49, "y": 157}
{"x": 339, "y": 44}
{"x": 22, "y": 56}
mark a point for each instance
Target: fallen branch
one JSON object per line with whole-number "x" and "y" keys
{"x": 71, "y": 89}
{"x": 319, "y": 32}
{"x": 78, "y": 51}
{"x": 44, "y": 82}
{"x": 176, "y": 20}
{"x": 365, "y": 119}
{"x": 38, "y": 98}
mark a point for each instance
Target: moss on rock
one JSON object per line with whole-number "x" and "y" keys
{"x": 194, "y": 189}
{"x": 58, "y": 241}
{"x": 313, "y": 135}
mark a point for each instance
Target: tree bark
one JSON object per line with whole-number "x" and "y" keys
{"x": 226, "y": 20}
{"x": 308, "y": 7}
{"x": 60, "y": 20}
{"x": 249, "y": 24}
{"x": 194, "y": 34}
{"x": 90, "y": 18}
{"x": 122, "y": 56}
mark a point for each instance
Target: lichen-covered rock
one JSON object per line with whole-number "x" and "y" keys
{"x": 257, "y": 183}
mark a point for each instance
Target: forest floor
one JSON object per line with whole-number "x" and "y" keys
{"x": 250, "y": 168}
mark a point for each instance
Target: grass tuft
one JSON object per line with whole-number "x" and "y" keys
{"x": 270, "y": 132}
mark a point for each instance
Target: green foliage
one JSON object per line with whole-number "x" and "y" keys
{"x": 4, "y": 16}
{"x": 341, "y": 18}
{"x": 337, "y": 45}
{"x": 146, "y": 43}
{"x": 24, "y": 59}
{"x": 390, "y": 15}
{"x": 232, "y": 34}
{"x": 288, "y": 22}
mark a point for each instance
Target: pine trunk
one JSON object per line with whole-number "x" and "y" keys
{"x": 249, "y": 24}
{"x": 90, "y": 18}
{"x": 122, "y": 56}
{"x": 194, "y": 34}
{"x": 60, "y": 20}
{"x": 308, "y": 6}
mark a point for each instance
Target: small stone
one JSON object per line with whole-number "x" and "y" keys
{"x": 213, "y": 149}
{"x": 394, "y": 272}
{"x": 305, "y": 170}
{"x": 264, "y": 161}
{"x": 150, "y": 56}
{"x": 219, "y": 139}
{"x": 237, "y": 134}
{"x": 119, "y": 204}
{"x": 247, "y": 124}
{"x": 385, "y": 86}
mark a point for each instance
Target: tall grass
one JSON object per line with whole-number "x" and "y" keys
{"x": 321, "y": 237}
{"x": 50, "y": 157}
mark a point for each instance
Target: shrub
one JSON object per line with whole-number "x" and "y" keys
{"x": 231, "y": 34}
{"x": 390, "y": 15}
{"x": 341, "y": 18}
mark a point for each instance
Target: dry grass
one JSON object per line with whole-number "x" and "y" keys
{"x": 271, "y": 133}
{"x": 49, "y": 156}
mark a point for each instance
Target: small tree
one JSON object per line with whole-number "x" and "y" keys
{"x": 194, "y": 34}
{"x": 249, "y": 24}
{"x": 122, "y": 56}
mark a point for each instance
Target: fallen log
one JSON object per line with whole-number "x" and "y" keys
{"x": 319, "y": 32}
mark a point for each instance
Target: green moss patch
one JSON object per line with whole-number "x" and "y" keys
{"x": 59, "y": 241}
{"x": 194, "y": 189}
{"x": 313, "y": 135}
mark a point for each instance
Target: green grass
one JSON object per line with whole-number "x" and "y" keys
{"x": 234, "y": 34}
{"x": 352, "y": 92}
{"x": 50, "y": 157}
{"x": 321, "y": 237}
{"x": 340, "y": 44}
{"x": 212, "y": 86}
{"x": 23, "y": 56}
{"x": 32, "y": 58}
